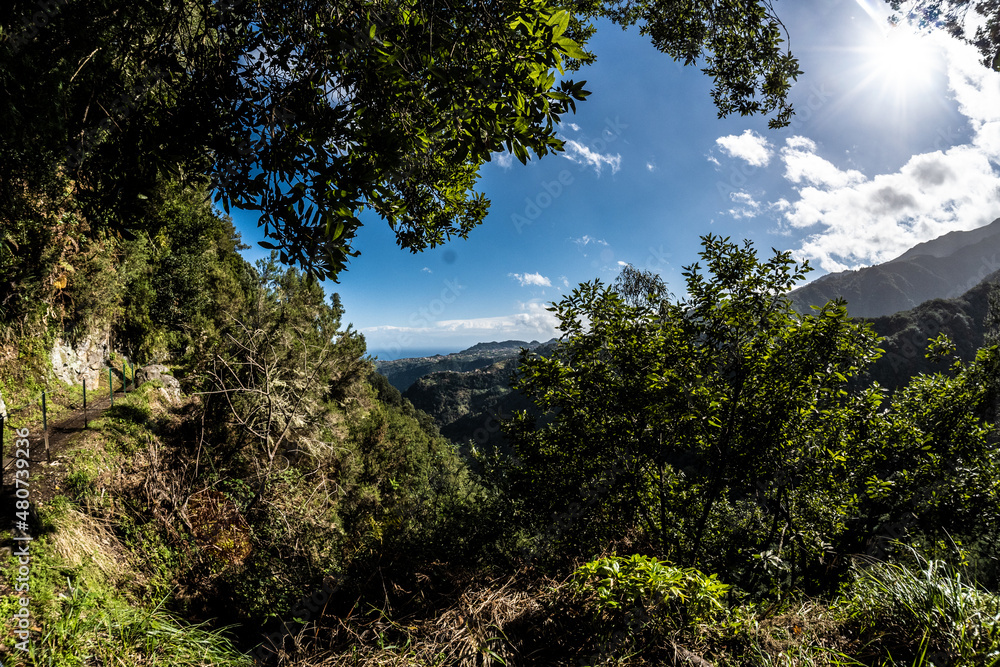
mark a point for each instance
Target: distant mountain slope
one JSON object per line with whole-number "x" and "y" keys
{"x": 945, "y": 267}
{"x": 906, "y": 333}
{"x": 402, "y": 373}
{"x": 466, "y": 405}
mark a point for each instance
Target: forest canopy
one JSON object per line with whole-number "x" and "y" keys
{"x": 311, "y": 113}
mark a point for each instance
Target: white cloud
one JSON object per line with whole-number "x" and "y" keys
{"x": 536, "y": 279}
{"x": 504, "y": 160}
{"x": 802, "y": 164}
{"x": 586, "y": 239}
{"x": 534, "y": 318}
{"x": 573, "y": 126}
{"x": 975, "y": 87}
{"x": 427, "y": 270}
{"x": 749, "y": 146}
{"x": 877, "y": 219}
{"x": 532, "y": 321}
{"x": 564, "y": 280}
{"x": 855, "y": 220}
{"x": 799, "y": 142}
{"x": 651, "y": 166}
{"x": 581, "y": 154}
{"x": 746, "y": 205}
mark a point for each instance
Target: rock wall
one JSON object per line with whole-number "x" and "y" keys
{"x": 72, "y": 364}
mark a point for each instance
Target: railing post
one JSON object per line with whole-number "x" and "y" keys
{"x": 111, "y": 386}
{"x": 45, "y": 427}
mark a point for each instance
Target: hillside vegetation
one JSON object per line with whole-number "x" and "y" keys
{"x": 282, "y": 468}
{"x": 713, "y": 480}
{"x": 706, "y": 481}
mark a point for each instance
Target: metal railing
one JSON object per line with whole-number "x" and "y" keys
{"x": 5, "y": 420}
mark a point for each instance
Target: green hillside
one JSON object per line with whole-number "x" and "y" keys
{"x": 402, "y": 373}
{"x": 739, "y": 499}
{"x": 707, "y": 480}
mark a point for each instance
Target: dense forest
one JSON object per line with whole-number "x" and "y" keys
{"x": 715, "y": 479}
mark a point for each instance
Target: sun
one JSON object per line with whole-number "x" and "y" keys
{"x": 899, "y": 73}
{"x": 902, "y": 61}
{"x": 897, "y": 58}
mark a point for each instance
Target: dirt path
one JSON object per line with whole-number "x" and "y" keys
{"x": 46, "y": 469}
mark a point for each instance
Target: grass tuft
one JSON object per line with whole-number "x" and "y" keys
{"x": 927, "y": 614}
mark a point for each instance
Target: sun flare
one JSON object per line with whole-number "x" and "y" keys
{"x": 902, "y": 60}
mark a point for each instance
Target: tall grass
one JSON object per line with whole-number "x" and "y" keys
{"x": 925, "y": 614}
{"x": 95, "y": 628}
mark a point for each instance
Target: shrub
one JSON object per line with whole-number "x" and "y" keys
{"x": 682, "y": 596}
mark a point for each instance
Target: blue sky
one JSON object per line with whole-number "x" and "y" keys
{"x": 896, "y": 140}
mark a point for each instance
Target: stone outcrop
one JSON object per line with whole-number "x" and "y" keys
{"x": 84, "y": 360}
{"x": 160, "y": 373}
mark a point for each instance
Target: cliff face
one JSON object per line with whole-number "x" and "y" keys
{"x": 466, "y": 393}
{"x": 83, "y": 361}
{"x": 943, "y": 268}
{"x": 468, "y": 405}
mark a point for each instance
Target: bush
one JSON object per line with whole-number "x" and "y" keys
{"x": 683, "y": 596}
{"x": 639, "y": 605}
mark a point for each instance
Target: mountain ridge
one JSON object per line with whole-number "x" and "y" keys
{"x": 402, "y": 373}
{"x": 945, "y": 267}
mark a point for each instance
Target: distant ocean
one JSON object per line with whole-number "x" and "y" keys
{"x": 388, "y": 355}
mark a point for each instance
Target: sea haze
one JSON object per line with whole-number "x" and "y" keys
{"x": 414, "y": 352}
